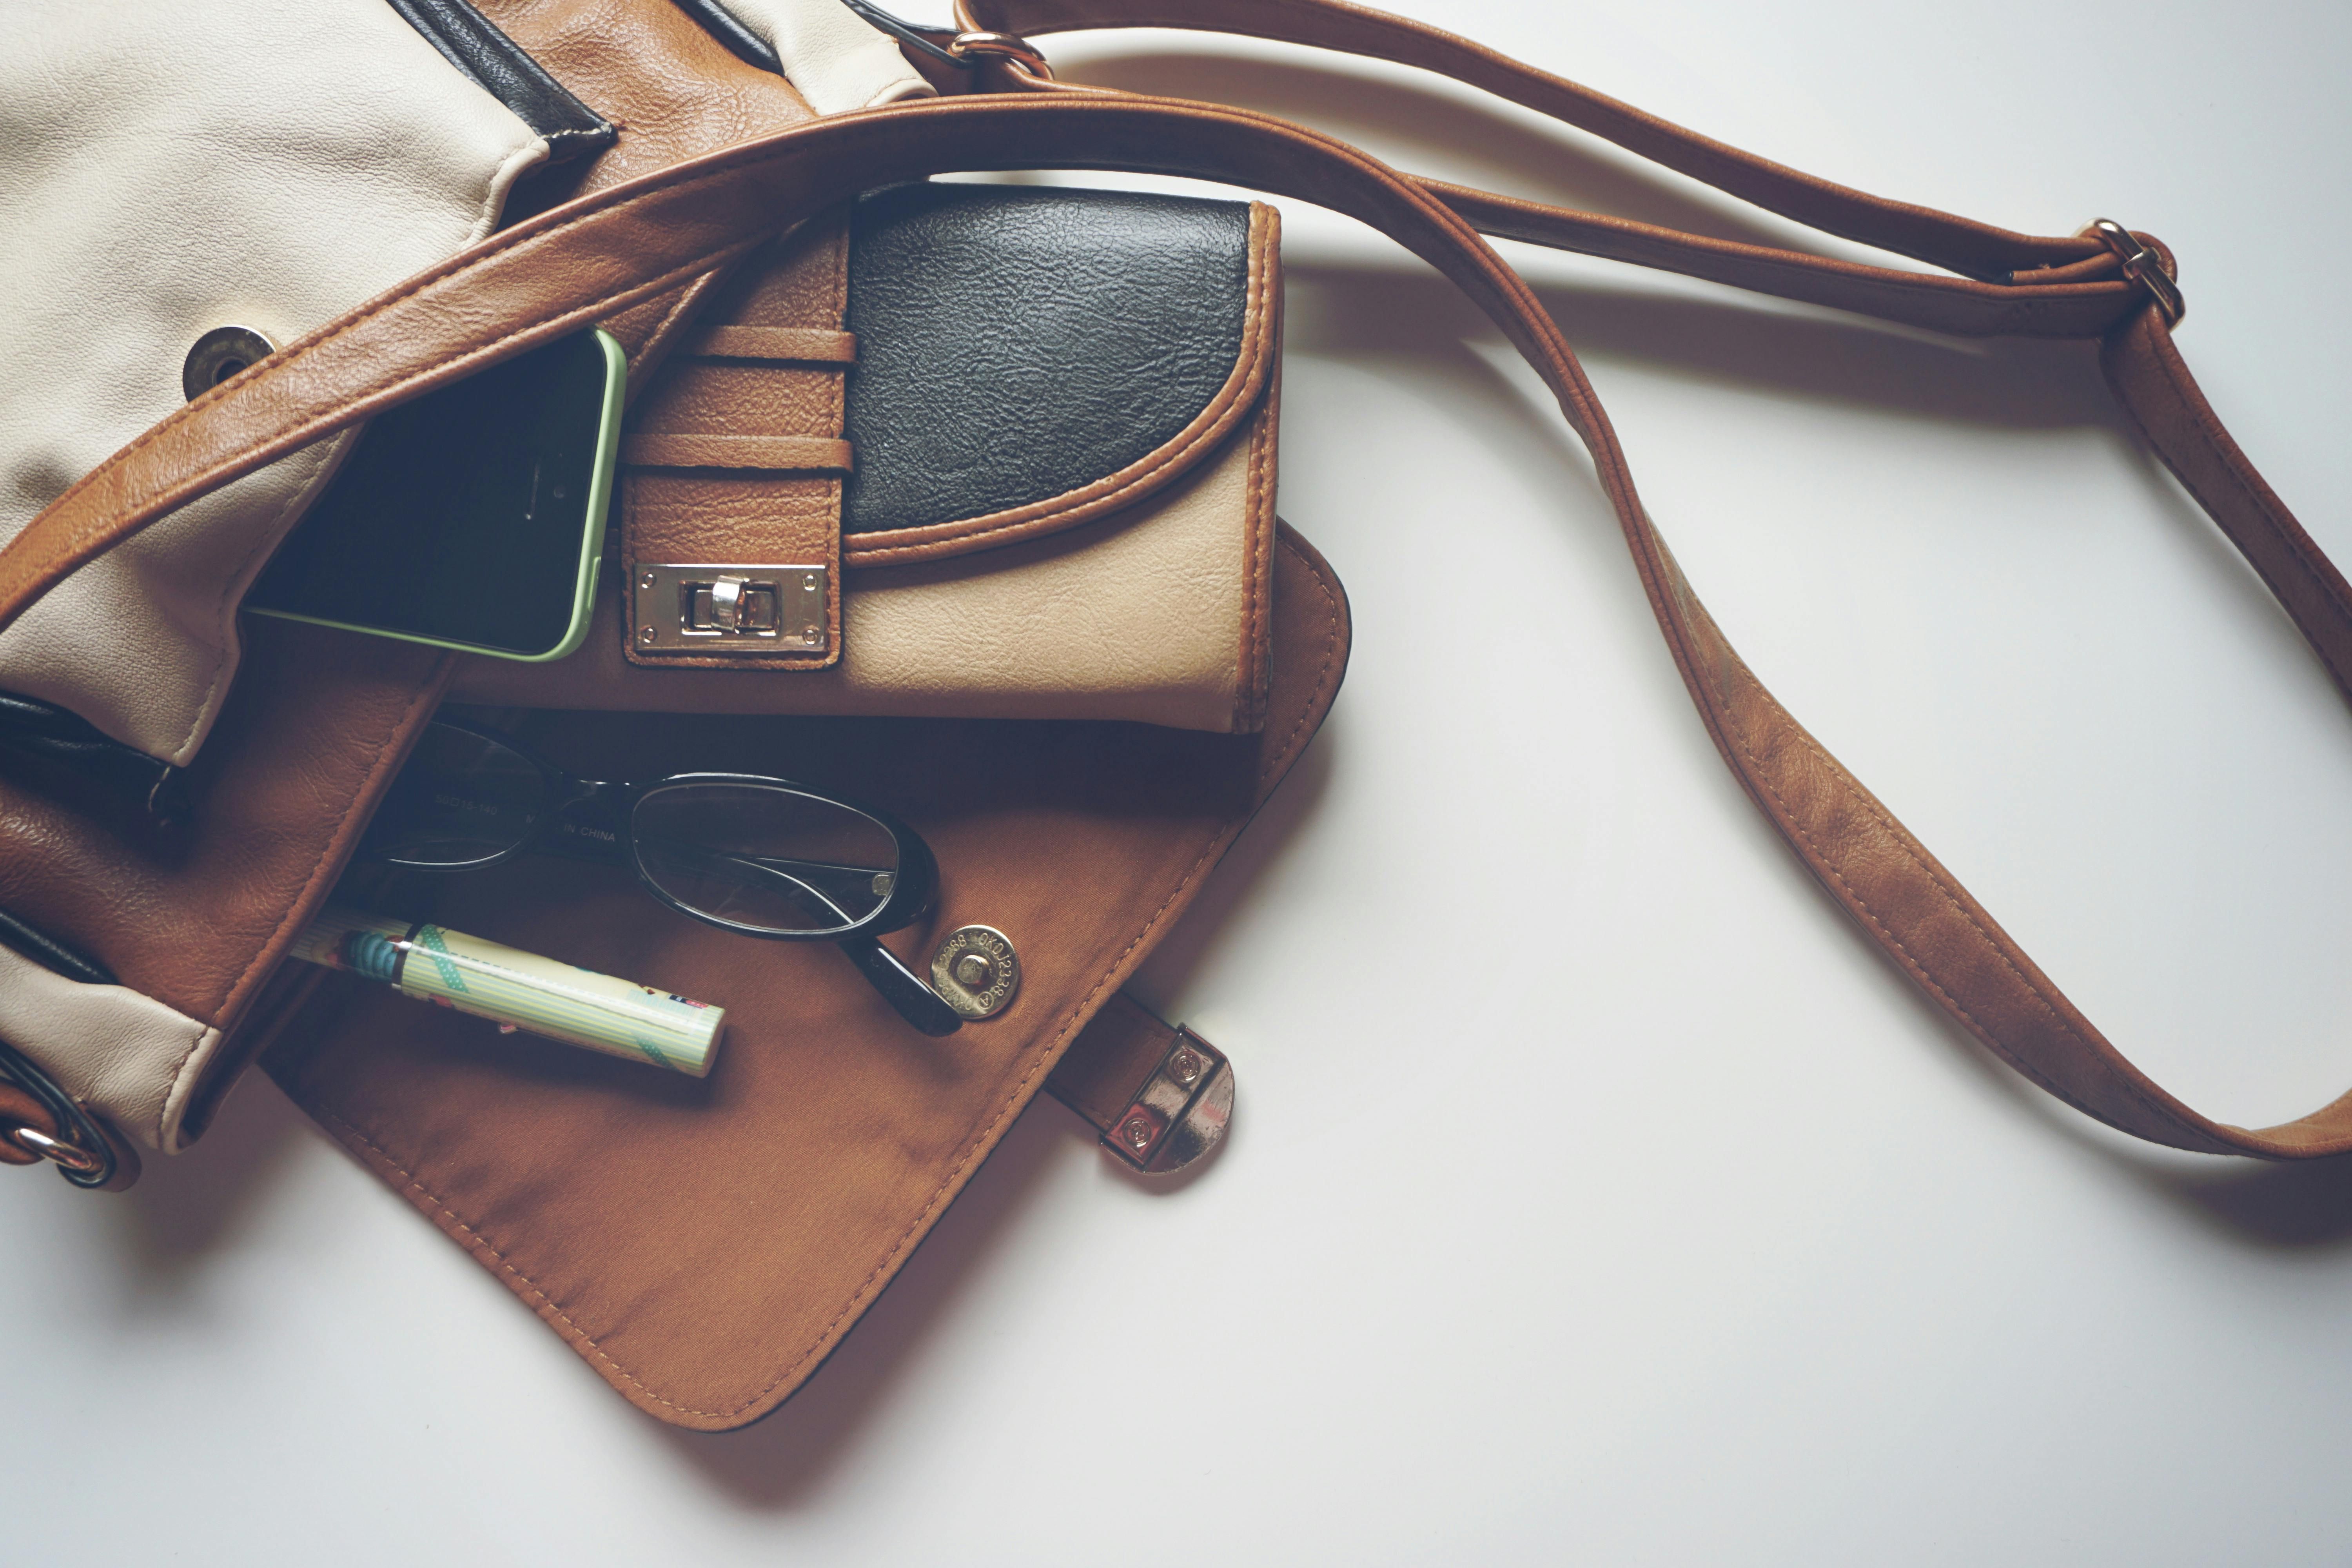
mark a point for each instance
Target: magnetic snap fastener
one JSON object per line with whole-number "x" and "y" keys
{"x": 976, "y": 971}
{"x": 219, "y": 354}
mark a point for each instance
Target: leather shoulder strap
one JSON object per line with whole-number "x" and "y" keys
{"x": 597, "y": 255}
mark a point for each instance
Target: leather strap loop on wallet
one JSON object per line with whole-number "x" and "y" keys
{"x": 584, "y": 261}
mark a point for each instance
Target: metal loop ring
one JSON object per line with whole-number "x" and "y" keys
{"x": 2142, "y": 264}
{"x": 72, "y": 1157}
{"x": 1010, "y": 48}
{"x": 97, "y": 1163}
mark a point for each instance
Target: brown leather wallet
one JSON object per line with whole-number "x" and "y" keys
{"x": 1036, "y": 481}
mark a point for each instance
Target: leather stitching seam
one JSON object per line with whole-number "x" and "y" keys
{"x": 1715, "y": 259}
{"x": 2304, "y": 551}
{"x": 223, "y": 1016}
{"x": 225, "y": 612}
{"x": 1250, "y": 663}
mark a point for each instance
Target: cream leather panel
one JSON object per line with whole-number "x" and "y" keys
{"x": 172, "y": 166}
{"x": 120, "y": 1052}
{"x": 1138, "y": 616}
{"x": 838, "y": 61}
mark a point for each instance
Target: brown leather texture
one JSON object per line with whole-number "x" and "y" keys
{"x": 735, "y": 458}
{"x": 301, "y": 751}
{"x": 704, "y": 1243}
{"x": 671, "y": 91}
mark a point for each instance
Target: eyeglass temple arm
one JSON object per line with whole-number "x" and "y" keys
{"x": 900, "y": 987}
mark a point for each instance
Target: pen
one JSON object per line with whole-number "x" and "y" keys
{"x": 517, "y": 990}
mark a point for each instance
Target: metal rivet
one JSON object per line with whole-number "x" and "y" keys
{"x": 219, "y": 354}
{"x": 647, "y": 635}
{"x": 883, "y": 882}
{"x": 648, "y": 579}
{"x": 1136, "y": 1130}
{"x": 998, "y": 977}
{"x": 1185, "y": 1067}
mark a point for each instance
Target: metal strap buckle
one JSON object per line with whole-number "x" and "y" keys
{"x": 2143, "y": 266}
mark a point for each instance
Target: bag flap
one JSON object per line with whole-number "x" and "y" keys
{"x": 703, "y": 1243}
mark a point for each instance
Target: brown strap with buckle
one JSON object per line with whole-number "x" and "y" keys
{"x": 583, "y": 262}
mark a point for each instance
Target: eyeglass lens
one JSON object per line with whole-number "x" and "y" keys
{"x": 462, "y": 800}
{"x": 764, "y": 857}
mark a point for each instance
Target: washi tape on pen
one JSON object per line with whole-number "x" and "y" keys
{"x": 518, "y": 990}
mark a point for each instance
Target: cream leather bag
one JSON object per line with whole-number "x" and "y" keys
{"x": 171, "y": 168}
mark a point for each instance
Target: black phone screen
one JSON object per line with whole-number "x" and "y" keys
{"x": 460, "y": 516}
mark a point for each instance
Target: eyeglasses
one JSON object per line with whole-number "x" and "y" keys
{"x": 762, "y": 857}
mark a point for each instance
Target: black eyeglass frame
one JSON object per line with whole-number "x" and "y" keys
{"x": 555, "y": 829}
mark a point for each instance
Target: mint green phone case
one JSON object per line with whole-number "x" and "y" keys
{"x": 586, "y": 568}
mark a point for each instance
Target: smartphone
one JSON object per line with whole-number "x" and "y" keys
{"x": 471, "y": 518}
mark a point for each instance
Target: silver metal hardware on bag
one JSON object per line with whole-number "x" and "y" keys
{"x": 219, "y": 354}
{"x": 729, "y": 609}
{"x": 1010, "y": 49}
{"x": 55, "y": 1151}
{"x": 2142, "y": 264}
{"x": 1180, "y": 1113}
{"x": 976, "y": 971}
{"x": 973, "y": 43}
{"x": 82, "y": 1155}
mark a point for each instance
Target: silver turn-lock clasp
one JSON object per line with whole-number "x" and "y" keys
{"x": 724, "y": 609}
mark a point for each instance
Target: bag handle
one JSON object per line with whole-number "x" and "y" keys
{"x": 585, "y": 260}
{"x": 2097, "y": 285}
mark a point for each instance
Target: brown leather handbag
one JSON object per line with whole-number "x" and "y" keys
{"x": 706, "y": 1290}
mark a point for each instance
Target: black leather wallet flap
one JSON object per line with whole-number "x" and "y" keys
{"x": 1029, "y": 358}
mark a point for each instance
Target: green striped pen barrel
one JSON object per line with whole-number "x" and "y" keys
{"x": 518, "y": 990}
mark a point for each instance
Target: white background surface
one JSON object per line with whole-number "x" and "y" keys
{"x": 1596, "y": 1194}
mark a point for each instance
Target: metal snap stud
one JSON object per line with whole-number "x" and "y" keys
{"x": 976, "y": 971}
{"x": 219, "y": 354}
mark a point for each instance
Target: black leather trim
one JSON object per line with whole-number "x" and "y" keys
{"x": 1017, "y": 344}
{"x": 501, "y": 68}
{"x": 50, "y": 953}
{"x": 742, "y": 42}
{"x": 73, "y": 760}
